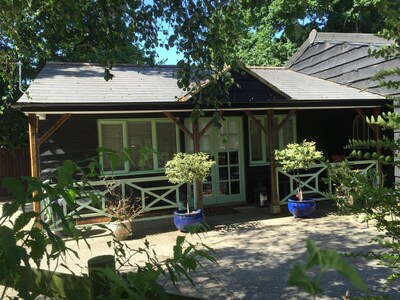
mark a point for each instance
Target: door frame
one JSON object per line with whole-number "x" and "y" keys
{"x": 214, "y": 137}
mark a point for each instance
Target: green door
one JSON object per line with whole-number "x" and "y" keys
{"x": 226, "y": 182}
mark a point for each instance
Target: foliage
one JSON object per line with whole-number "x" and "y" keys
{"x": 375, "y": 200}
{"x": 203, "y": 31}
{"x": 110, "y": 32}
{"x": 273, "y": 30}
{"x": 11, "y": 135}
{"x": 149, "y": 279}
{"x": 295, "y": 157}
{"x": 345, "y": 181}
{"x": 22, "y": 241}
{"x": 325, "y": 260}
{"x": 371, "y": 198}
{"x": 26, "y": 237}
{"x": 260, "y": 45}
{"x": 185, "y": 167}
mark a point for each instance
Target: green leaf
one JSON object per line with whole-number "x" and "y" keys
{"x": 298, "y": 277}
{"x": 8, "y": 246}
{"x": 37, "y": 244}
{"x": 23, "y": 219}
{"x": 16, "y": 188}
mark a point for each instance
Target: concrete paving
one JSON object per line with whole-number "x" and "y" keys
{"x": 255, "y": 252}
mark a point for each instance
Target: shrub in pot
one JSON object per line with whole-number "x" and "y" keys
{"x": 122, "y": 210}
{"x": 188, "y": 168}
{"x": 294, "y": 158}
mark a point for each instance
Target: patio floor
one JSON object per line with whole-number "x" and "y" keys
{"x": 255, "y": 252}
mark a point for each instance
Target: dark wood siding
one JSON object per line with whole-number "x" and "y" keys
{"x": 251, "y": 90}
{"x": 345, "y": 63}
{"x": 14, "y": 163}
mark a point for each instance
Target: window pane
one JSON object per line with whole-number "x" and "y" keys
{"x": 233, "y": 127}
{"x": 233, "y": 142}
{"x": 287, "y": 134}
{"x": 255, "y": 142}
{"x": 139, "y": 135}
{"x": 112, "y": 137}
{"x": 204, "y": 143}
{"x": 166, "y": 142}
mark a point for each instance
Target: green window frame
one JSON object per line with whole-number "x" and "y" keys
{"x": 148, "y": 140}
{"x": 258, "y": 141}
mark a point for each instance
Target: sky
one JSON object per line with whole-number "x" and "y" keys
{"x": 170, "y": 55}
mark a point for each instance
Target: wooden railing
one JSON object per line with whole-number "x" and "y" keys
{"x": 153, "y": 198}
{"x": 312, "y": 182}
{"x": 159, "y": 195}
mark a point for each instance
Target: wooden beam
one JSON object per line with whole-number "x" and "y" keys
{"x": 275, "y": 207}
{"x": 287, "y": 118}
{"x": 179, "y": 124}
{"x": 258, "y": 123}
{"x": 378, "y": 137}
{"x": 205, "y": 129}
{"x": 53, "y": 128}
{"x": 196, "y": 149}
{"x": 33, "y": 124}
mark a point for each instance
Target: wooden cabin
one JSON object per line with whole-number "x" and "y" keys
{"x": 322, "y": 94}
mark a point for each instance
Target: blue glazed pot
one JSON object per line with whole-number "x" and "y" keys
{"x": 182, "y": 219}
{"x": 301, "y": 209}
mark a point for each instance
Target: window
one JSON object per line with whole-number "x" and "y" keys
{"x": 361, "y": 129}
{"x": 259, "y": 143}
{"x": 151, "y": 143}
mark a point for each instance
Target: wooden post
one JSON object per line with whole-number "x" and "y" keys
{"x": 99, "y": 285}
{"x": 34, "y": 151}
{"x": 196, "y": 148}
{"x": 275, "y": 207}
{"x": 378, "y": 136}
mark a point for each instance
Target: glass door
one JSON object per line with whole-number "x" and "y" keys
{"x": 226, "y": 181}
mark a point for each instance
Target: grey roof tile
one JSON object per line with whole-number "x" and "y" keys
{"x": 304, "y": 87}
{"x": 347, "y": 63}
{"x": 84, "y": 83}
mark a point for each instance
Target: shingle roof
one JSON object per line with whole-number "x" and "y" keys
{"x": 299, "y": 86}
{"x": 343, "y": 58}
{"x": 84, "y": 83}
{"x": 328, "y": 66}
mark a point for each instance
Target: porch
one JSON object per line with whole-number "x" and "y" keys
{"x": 159, "y": 199}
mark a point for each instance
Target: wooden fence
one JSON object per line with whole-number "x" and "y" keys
{"x": 13, "y": 163}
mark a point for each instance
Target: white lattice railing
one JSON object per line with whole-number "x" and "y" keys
{"x": 156, "y": 194}
{"x": 312, "y": 180}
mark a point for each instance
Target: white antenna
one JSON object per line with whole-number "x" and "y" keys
{"x": 19, "y": 63}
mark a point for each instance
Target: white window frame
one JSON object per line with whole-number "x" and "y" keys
{"x": 263, "y": 120}
{"x": 124, "y": 123}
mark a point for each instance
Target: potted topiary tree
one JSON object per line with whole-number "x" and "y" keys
{"x": 294, "y": 158}
{"x": 188, "y": 168}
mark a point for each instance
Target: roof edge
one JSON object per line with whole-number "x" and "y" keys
{"x": 365, "y": 38}
{"x": 311, "y": 38}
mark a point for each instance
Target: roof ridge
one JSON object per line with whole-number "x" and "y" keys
{"x": 115, "y": 65}
{"x": 363, "y": 38}
{"x": 266, "y": 67}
